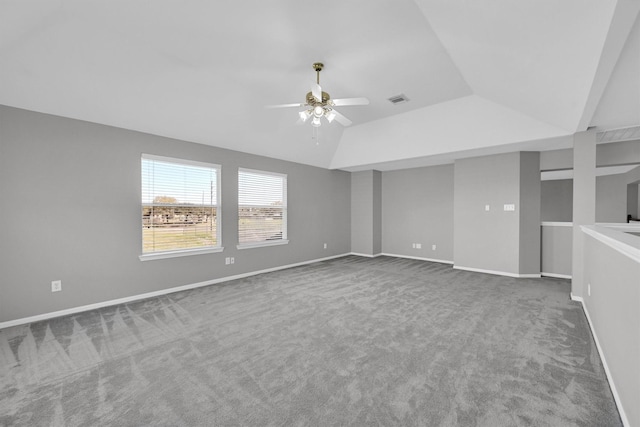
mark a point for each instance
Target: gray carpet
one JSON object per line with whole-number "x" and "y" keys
{"x": 352, "y": 341}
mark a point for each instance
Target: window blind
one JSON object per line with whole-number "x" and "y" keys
{"x": 262, "y": 206}
{"x": 180, "y": 208}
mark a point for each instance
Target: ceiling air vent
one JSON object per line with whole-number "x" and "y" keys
{"x": 615, "y": 135}
{"x": 398, "y": 99}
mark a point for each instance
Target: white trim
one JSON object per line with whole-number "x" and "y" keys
{"x": 262, "y": 244}
{"x": 615, "y": 240}
{"x": 125, "y": 300}
{"x": 365, "y": 255}
{"x": 181, "y": 161}
{"x": 441, "y": 261}
{"x": 557, "y": 275}
{"x": 285, "y": 216}
{"x": 262, "y": 172}
{"x": 556, "y": 224}
{"x": 499, "y": 273}
{"x": 190, "y": 251}
{"x": 614, "y": 391}
{"x": 175, "y": 254}
{"x": 630, "y": 226}
{"x": 576, "y": 298}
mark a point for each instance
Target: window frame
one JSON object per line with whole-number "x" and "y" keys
{"x": 285, "y": 209}
{"x": 174, "y": 253}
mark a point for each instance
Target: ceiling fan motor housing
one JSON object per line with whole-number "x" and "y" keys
{"x": 322, "y": 105}
{"x": 311, "y": 100}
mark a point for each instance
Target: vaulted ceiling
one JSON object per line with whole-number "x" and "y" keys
{"x": 482, "y": 76}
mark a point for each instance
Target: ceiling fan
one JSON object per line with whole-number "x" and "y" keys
{"x": 320, "y": 104}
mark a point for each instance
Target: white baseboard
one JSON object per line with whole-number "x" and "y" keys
{"x": 79, "y": 309}
{"x": 365, "y": 255}
{"x": 498, "y": 273}
{"x": 556, "y": 275}
{"x": 442, "y": 261}
{"x": 614, "y": 391}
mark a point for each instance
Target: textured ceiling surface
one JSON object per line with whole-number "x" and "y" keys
{"x": 482, "y": 76}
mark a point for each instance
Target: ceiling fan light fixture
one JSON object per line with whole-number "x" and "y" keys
{"x": 319, "y": 104}
{"x": 304, "y": 115}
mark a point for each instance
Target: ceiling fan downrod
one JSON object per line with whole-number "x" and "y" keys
{"x": 318, "y": 66}
{"x": 319, "y": 104}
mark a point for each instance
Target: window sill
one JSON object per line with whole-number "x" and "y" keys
{"x": 176, "y": 254}
{"x": 262, "y": 244}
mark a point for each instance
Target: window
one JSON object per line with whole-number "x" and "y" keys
{"x": 262, "y": 208}
{"x": 180, "y": 209}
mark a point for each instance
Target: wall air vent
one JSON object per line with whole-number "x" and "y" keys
{"x": 621, "y": 134}
{"x": 398, "y": 99}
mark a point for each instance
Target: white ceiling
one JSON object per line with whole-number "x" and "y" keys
{"x": 482, "y": 76}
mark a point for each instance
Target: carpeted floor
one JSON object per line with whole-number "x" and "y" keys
{"x": 352, "y": 341}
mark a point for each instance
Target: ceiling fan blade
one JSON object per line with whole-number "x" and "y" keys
{"x": 350, "y": 101}
{"x": 316, "y": 91}
{"x": 284, "y": 105}
{"x": 342, "y": 119}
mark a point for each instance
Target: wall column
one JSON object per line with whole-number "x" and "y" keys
{"x": 496, "y": 214}
{"x": 584, "y": 202}
{"x": 366, "y": 212}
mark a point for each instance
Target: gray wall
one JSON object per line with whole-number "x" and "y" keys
{"x": 556, "y": 250}
{"x": 609, "y": 154}
{"x": 70, "y": 194}
{"x": 633, "y": 192}
{"x": 611, "y": 198}
{"x": 584, "y": 201}
{"x": 633, "y": 175}
{"x": 417, "y": 207}
{"x": 377, "y": 212}
{"x": 556, "y": 159}
{"x": 556, "y": 200}
{"x": 633, "y": 201}
{"x": 613, "y": 309}
{"x": 611, "y": 194}
{"x": 488, "y": 240}
{"x": 362, "y": 212}
{"x": 366, "y": 216}
{"x": 618, "y": 153}
{"x": 529, "y": 211}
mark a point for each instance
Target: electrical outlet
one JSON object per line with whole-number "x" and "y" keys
{"x": 325, "y": 246}
{"x": 413, "y": 245}
{"x": 589, "y": 289}
{"x": 433, "y": 247}
{"x": 227, "y": 260}
{"x": 487, "y": 207}
{"x": 418, "y": 245}
{"x": 56, "y": 286}
{"x": 233, "y": 260}
{"x": 510, "y": 207}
